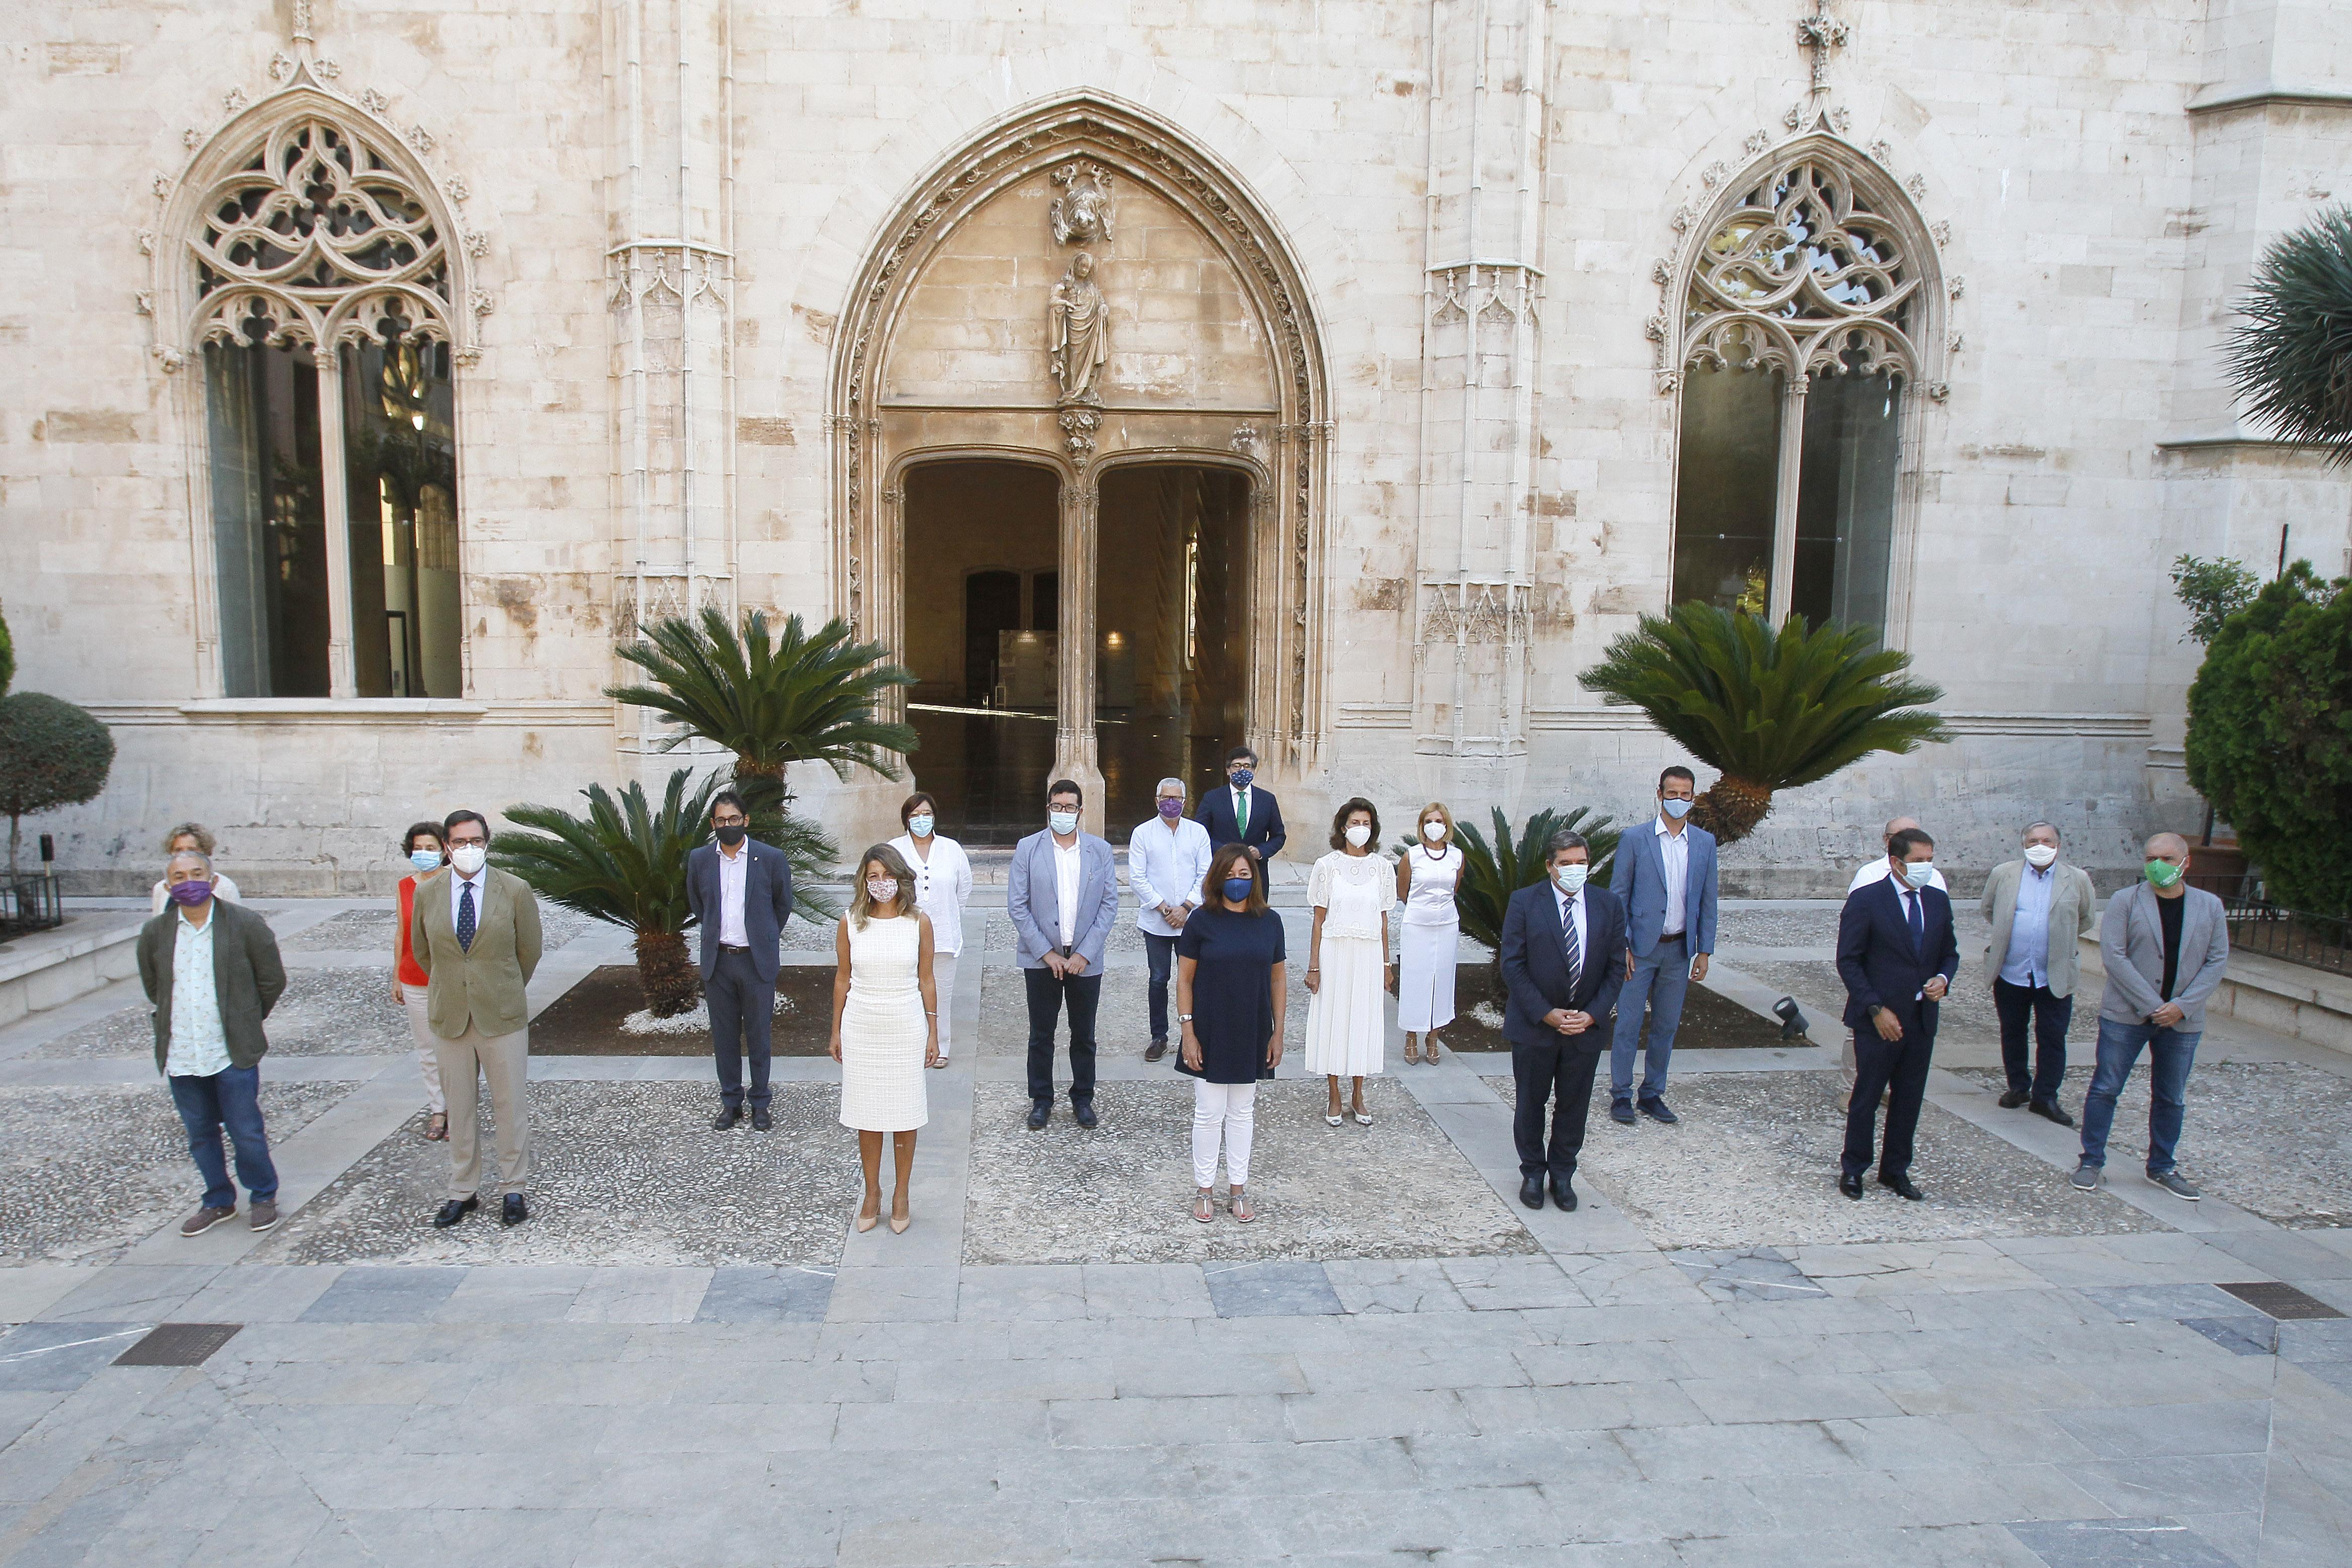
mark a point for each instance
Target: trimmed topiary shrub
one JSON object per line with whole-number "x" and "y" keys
{"x": 52, "y": 753}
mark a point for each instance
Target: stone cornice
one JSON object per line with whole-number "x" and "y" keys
{"x": 2217, "y": 97}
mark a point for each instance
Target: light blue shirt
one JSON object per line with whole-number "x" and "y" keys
{"x": 1166, "y": 868}
{"x": 2027, "y": 961}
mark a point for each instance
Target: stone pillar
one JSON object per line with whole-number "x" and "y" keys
{"x": 1075, "y": 756}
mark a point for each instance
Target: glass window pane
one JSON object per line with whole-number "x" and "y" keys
{"x": 1846, "y": 498}
{"x": 400, "y": 462}
{"x": 270, "y": 529}
{"x": 1724, "y": 492}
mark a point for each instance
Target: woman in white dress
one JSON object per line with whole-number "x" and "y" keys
{"x": 193, "y": 835}
{"x": 884, "y": 1019}
{"x": 1428, "y": 877}
{"x": 1348, "y": 955}
{"x": 942, "y": 883}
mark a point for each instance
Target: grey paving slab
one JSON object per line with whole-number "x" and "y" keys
{"x": 1393, "y": 1285}
{"x": 1277, "y": 1287}
{"x": 1752, "y": 1274}
{"x": 2141, "y": 1543}
{"x": 514, "y": 1293}
{"x": 640, "y": 1295}
{"x": 367, "y": 1294}
{"x": 60, "y": 1357}
{"x": 259, "y": 1294}
{"x": 1116, "y": 1291}
{"x": 893, "y": 1294}
{"x": 2134, "y": 1301}
{"x": 775, "y": 1294}
{"x": 2225, "y": 1427}
{"x": 130, "y": 1293}
{"x": 1036, "y": 1292}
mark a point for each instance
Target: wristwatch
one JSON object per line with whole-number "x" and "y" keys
{"x": 1183, "y": 1017}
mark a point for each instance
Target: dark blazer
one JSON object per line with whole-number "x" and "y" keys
{"x": 1266, "y": 832}
{"x": 1878, "y": 963}
{"x": 766, "y": 903}
{"x": 1535, "y": 965}
{"x": 248, "y": 977}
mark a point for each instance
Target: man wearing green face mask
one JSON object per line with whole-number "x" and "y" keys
{"x": 2166, "y": 946}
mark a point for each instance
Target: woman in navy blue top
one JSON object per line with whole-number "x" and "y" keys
{"x": 1230, "y": 988}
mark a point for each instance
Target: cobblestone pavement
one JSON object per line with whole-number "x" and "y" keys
{"x": 688, "y": 1356}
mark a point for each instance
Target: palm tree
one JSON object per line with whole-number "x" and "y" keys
{"x": 1491, "y": 875}
{"x": 2292, "y": 358}
{"x": 625, "y": 864}
{"x": 1770, "y": 711}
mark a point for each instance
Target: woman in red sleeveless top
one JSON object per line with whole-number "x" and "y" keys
{"x": 425, "y": 853}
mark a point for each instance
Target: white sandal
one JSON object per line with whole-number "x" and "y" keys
{"x": 1205, "y": 1206}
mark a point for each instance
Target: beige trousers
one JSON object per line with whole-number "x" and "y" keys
{"x": 943, "y": 968}
{"x": 504, "y": 1060}
{"x": 429, "y": 1051}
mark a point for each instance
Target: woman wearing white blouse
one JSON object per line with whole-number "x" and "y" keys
{"x": 1428, "y": 876}
{"x": 193, "y": 835}
{"x": 943, "y": 884}
{"x": 1347, "y": 953}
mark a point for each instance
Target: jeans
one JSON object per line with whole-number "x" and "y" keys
{"x": 2016, "y": 1004}
{"x": 1162, "y": 951}
{"x": 231, "y": 1099}
{"x": 742, "y": 1023}
{"x": 1663, "y": 980}
{"x": 1046, "y": 995}
{"x": 2170, "y": 1055}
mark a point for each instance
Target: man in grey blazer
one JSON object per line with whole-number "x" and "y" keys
{"x": 2039, "y": 907}
{"x": 2166, "y": 946}
{"x": 1062, "y": 892}
{"x": 741, "y": 891}
{"x": 1665, "y": 876}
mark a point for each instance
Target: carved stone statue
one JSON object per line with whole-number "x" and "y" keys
{"x": 1081, "y": 331}
{"x": 1082, "y": 214}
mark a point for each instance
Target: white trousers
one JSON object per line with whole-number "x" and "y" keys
{"x": 1227, "y": 1108}
{"x": 943, "y": 987}
{"x": 428, "y": 1059}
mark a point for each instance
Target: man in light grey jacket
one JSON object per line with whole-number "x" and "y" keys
{"x": 2039, "y": 907}
{"x": 2166, "y": 946}
{"x": 1062, "y": 892}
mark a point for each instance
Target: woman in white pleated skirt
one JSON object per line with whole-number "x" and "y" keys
{"x": 1351, "y": 889}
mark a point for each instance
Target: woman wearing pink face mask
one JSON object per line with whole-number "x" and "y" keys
{"x": 884, "y": 1023}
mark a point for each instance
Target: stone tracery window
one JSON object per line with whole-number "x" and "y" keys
{"x": 1799, "y": 328}
{"x": 324, "y": 296}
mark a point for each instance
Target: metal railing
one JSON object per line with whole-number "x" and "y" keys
{"x": 2258, "y": 925}
{"x": 28, "y": 904}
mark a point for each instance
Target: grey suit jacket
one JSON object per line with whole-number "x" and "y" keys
{"x": 2131, "y": 945}
{"x": 483, "y": 984}
{"x": 1034, "y": 903}
{"x": 248, "y": 977}
{"x": 2074, "y": 915}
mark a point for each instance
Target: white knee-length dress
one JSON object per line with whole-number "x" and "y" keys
{"x": 1428, "y": 942}
{"x": 882, "y": 1033}
{"x": 1346, "y": 1022}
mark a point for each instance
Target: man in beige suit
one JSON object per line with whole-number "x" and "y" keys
{"x": 2039, "y": 907}
{"x": 475, "y": 934}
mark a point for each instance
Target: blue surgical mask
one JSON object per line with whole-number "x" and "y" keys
{"x": 920, "y": 825}
{"x": 426, "y": 859}
{"x": 1677, "y": 809}
{"x": 1237, "y": 889}
{"x": 1571, "y": 878}
{"x": 1242, "y": 777}
{"x": 1062, "y": 822}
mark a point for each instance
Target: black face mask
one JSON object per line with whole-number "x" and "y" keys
{"x": 732, "y": 835}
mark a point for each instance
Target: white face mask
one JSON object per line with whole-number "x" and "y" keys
{"x": 881, "y": 889}
{"x": 1432, "y": 830}
{"x": 467, "y": 858}
{"x": 1063, "y": 822}
{"x": 1571, "y": 878}
{"x": 1358, "y": 835}
{"x": 1918, "y": 873}
{"x": 2038, "y": 856}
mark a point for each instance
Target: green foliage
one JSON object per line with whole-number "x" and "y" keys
{"x": 7, "y": 658}
{"x": 2291, "y": 361}
{"x": 1770, "y": 711}
{"x": 772, "y": 700}
{"x": 2214, "y": 590}
{"x": 52, "y": 753}
{"x": 810, "y": 851}
{"x": 1492, "y": 873}
{"x": 2270, "y": 737}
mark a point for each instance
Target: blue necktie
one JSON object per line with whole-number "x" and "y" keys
{"x": 466, "y": 916}
{"x": 1918, "y": 926}
{"x": 1575, "y": 948}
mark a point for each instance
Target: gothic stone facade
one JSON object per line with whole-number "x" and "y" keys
{"x": 1497, "y": 306}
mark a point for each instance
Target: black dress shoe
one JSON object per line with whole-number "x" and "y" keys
{"x": 1563, "y": 1196}
{"x": 2048, "y": 1111}
{"x": 2011, "y": 1098}
{"x": 1851, "y": 1186}
{"x": 1655, "y": 1110}
{"x": 1040, "y": 1113}
{"x": 455, "y": 1210}
{"x": 1155, "y": 1050}
{"x": 1621, "y": 1110}
{"x": 728, "y": 1115}
{"x": 762, "y": 1121}
{"x": 1902, "y": 1187}
{"x": 513, "y": 1211}
{"x": 1531, "y": 1191}
{"x": 1084, "y": 1109}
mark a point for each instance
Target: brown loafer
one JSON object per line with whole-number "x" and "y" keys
{"x": 205, "y": 1219}
{"x": 261, "y": 1214}
{"x": 1155, "y": 1050}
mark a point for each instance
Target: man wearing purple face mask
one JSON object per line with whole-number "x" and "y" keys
{"x": 1167, "y": 856}
{"x": 212, "y": 971}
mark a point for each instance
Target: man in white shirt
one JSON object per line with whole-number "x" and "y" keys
{"x": 1876, "y": 870}
{"x": 2040, "y": 909}
{"x": 1061, "y": 892}
{"x": 1167, "y": 857}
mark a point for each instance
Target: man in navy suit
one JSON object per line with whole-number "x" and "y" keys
{"x": 1564, "y": 963}
{"x": 741, "y": 891}
{"x": 1241, "y": 812}
{"x": 1898, "y": 954}
{"x": 1666, "y": 878}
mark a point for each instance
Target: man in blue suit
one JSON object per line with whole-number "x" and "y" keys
{"x": 1062, "y": 892}
{"x": 741, "y": 891}
{"x": 1897, "y": 955}
{"x": 1665, "y": 880}
{"x": 1563, "y": 962}
{"x": 1241, "y": 812}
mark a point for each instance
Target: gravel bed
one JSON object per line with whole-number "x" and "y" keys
{"x": 2275, "y": 1138}
{"x": 324, "y": 1012}
{"x": 92, "y": 1172}
{"x": 1966, "y": 1013}
{"x": 366, "y": 931}
{"x": 1755, "y": 1163}
{"x": 1777, "y": 928}
{"x": 1122, "y": 1192}
{"x": 623, "y": 1173}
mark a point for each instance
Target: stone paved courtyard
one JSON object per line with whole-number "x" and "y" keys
{"x": 688, "y": 1358}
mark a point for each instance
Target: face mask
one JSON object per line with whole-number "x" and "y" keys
{"x": 1918, "y": 873}
{"x": 2041, "y": 854}
{"x": 732, "y": 834}
{"x": 1358, "y": 835}
{"x": 920, "y": 825}
{"x": 426, "y": 859}
{"x": 1677, "y": 809}
{"x": 1062, "y": 822}
{"x": 1432, "y": 830}
{"x": 1238, "y": 890}
{"x": 194, "y": 891}
{"x": 1172, "y": 808}
{"x": 1242, "y": 777}
{"x": 2161, "y": 873}
{"x": 1571, "y": 878}
{"x": 881, "y": 889}
{"x": 468, "y": 858}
